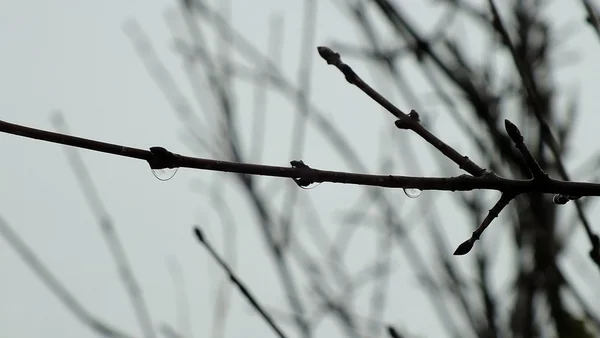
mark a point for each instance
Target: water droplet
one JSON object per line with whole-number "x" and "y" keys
{"x": 311, "y": 186}
{"x": 164, "y": 174}
{"x": 412, "y": 192}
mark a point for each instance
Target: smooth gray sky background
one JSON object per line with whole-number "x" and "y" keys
{"x": 74, "y": 56}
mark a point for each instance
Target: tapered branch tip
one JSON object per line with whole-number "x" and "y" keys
{"x": 513, "y": 131}
{"x": 464, "y": 248}
{"x": 199, "y": 234}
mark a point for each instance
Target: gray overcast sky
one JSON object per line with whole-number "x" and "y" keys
{"x": 74, "y": 56}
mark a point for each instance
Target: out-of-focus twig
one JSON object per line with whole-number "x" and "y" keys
{"x": 592, "y": 17}
{"x": 261, "y": 83}
{"x": 55, "y": 286}
{"x": 167, "y": 86}
{"x": 546, "y": 132}
{"x": 181, "y": 299}
{"x": 235, "y": 280}
{"x": 309, "y": 24}
{"x": 223, "y": 95}
{"x": 110, "y": 234}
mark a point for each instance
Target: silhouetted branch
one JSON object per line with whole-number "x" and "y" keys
{"x": 411, "y": 122}
{"x": 440, "y": 58}
{"x": 466, "y": 246}
{"x": 405, "y": 121}
{"x": 392, "y": 68}
{"x": 159, "y": 158}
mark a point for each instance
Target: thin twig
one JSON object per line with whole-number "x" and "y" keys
{"x": 235, "y": 280}
{"x": 408, "y": 156}
{"x": 411, "y": 122}
{"x": 515, "y": 134}
{"x": 466, "y": 246}
{"x": 405, "y": 121}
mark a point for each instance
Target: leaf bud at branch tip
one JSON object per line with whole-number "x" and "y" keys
{"x": 329, "y": 55}
{"x": 513, "y": 131}
{"x": 464, "y": 248}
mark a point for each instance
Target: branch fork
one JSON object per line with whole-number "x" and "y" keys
{"x": 539, "y": 179}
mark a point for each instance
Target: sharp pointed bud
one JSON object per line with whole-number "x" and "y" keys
{"x": 513, "y": 131}
{"x": 464, "y": 248}
{"x": 199, "y": 234}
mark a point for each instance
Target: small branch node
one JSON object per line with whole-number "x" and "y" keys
{"x": 162, "y": 158}
{"x": 414, "y": 115}
{"x": 408, "y": 121}
{"x": 307, "y": 175}
{"x": 404, "y": 123}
